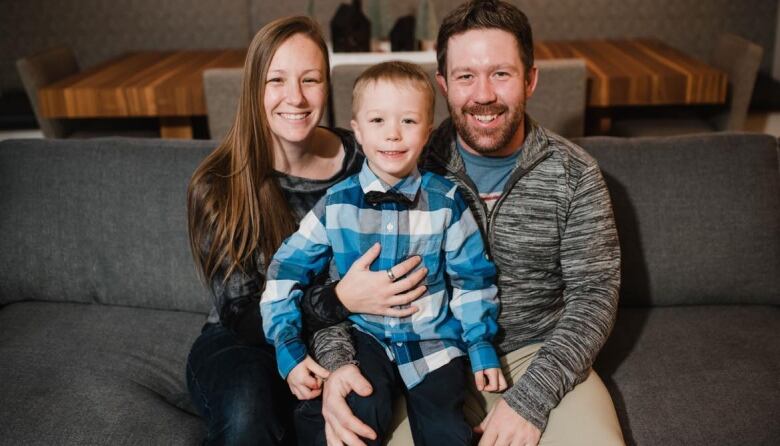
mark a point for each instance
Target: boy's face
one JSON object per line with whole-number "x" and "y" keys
{"x": 392, "y": 124}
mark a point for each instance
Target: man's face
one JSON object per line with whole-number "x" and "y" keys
{"x": 486, "y": 89}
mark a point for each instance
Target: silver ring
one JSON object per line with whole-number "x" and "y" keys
{"x": 391, "y": 275}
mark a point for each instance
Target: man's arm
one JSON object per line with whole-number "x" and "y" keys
{"x": 590, "y": 262}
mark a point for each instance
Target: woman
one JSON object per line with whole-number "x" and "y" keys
{"x": 243, "y": 201}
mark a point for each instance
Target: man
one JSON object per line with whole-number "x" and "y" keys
{"x": 544, "y": 210}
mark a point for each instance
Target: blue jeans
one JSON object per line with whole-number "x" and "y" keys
{"x": 238, "y": 391}
{"x": 435, "y": 406}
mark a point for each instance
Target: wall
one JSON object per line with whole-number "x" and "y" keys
{"x": 100, "y": 29}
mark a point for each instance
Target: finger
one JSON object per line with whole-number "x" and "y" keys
{"x": 502, "y": 385}
{"x": 347, "y": 425}
{"x": 407, "y": 265}
{"x": 317, "y": 369}
{"x": 360, "y": 385}
{"x": 479, "y": 380}
{"x": 408, "y": 282}
{"x": 492, "y": 379}
{"x": 330, "y": 436}
{"x": 308, "y": 382}
{"x": 365, "y": 261}
{"x": 400, "y": 312}
{"x": 407, "y": 297}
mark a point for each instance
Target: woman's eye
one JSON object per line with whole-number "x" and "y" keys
{"x": 274, "y": 80}
{"x": 311, "y": 81}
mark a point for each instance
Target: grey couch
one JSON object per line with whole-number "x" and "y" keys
{"x": 100, "y": 301}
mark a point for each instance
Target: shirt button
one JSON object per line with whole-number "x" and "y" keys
{"x": 389, "y": 227}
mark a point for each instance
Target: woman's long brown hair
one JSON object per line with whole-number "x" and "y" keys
{"x": 235, "y": 205}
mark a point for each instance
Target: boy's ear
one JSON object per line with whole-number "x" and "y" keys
{"x": 356, "y": 129}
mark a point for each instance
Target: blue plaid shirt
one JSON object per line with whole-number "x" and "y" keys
{"x": 456, "y": 316}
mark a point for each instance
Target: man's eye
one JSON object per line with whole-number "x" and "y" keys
{"x": 502, "y": 74}
{"x": 464, "y": 77}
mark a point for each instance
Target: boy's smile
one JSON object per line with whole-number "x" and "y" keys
{"x": 392, "y": 124}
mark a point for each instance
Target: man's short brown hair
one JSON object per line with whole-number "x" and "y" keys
{"x": 486, "y": 14}
{"x": 398, "y": 72}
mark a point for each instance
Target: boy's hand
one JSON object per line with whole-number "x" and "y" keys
{"x": 305, "y": 380}
{"x": 490, "y": 380}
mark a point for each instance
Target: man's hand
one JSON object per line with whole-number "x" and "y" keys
{"x": 373, "y": 292}
{"x": 342, "y": 427}
{"x": 490, "y": 380}
{"x": 504, "y": 426}
{"x": 305, "y": 379}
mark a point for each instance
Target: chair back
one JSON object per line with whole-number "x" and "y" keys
{"x": 221, "y": 88}
{"x": 43, "y": 69}
{"x": 740, "y": 59}
{"x": 558, "y": 103}
{"x": 343, "y": 78}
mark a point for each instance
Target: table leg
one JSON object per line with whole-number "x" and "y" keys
{"x": 176, "y": 127}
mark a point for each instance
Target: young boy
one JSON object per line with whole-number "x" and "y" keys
{"x": 408, "y": 213}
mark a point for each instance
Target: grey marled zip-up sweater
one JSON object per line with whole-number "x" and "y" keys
{"x": 552, "y": 236}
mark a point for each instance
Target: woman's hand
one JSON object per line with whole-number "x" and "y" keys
{"x": 374, "y": 292}
{"x": 305, "y": 379}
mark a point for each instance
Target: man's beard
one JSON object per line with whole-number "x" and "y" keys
{"x": 491, "y": 140}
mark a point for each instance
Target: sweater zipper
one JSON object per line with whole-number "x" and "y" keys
{"x": 516, "y": 176}
{"x": 472, "y": 188}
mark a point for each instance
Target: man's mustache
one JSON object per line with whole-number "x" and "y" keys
{"x": 481, "y": 109}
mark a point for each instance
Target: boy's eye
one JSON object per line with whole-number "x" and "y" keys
{"x": 408, "y": 121}
{"x": 375, "y": 120}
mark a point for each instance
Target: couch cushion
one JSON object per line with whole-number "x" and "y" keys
{"x": 698, "y": 217}
{"x": 101, "y": 220}
{"x": 697, "y": 375}
{"x": 95, "y": 374}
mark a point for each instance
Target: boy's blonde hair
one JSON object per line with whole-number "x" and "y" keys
{"x": 394, "y": 71}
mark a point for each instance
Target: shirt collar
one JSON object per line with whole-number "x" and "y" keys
{"x": 408, "y": 186}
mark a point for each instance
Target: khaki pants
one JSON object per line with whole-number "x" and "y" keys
{"x": 585, "y": 416}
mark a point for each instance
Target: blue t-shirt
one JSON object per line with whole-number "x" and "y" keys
{"x": 489, "y": 173}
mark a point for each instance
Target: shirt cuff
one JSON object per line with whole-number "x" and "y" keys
{"x": 483, "y": 356}
{"x": 289, "y": 355}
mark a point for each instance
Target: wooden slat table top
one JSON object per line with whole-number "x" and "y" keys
{"x": 634, "y": 72}
{"x": 170, "y": 83}
{"x": 148, "y": 83}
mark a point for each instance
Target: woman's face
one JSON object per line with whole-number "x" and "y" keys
{"x": 295, "y": 90}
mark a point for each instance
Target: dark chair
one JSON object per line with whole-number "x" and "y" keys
{"x": 221, "y": 89}
{"x": 559, "y": 100}
{"x": 58, "y": 63}
{"x": 740, "y": 59}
